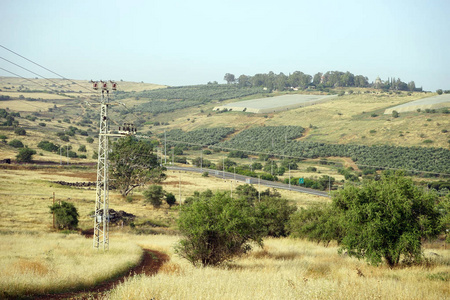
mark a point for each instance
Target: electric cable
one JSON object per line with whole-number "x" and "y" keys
{"x": 59, "y": 75}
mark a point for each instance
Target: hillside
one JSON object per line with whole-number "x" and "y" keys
{"x": 356, "y": 117}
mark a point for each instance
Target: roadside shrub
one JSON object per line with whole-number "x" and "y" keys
{"x": 16, "y": 144}
{"x": 42, "y": 124}
{"x": 439, "y": 91}
{"x": 66, "y": 215}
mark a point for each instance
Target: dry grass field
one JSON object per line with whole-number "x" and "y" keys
{"x": 35, "y": 260}
{"x": 288, "y": 269}
{"x": 51, "y": 263}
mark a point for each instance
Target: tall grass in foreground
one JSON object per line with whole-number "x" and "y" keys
{"x": 46, "y": 263}
{"x": 291, "y": 269}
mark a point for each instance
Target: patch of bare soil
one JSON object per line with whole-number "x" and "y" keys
{"x": 151, "y": 263}
{"x": 304, "y": 134}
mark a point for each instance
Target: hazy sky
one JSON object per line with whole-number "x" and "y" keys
{"x": 195, "y": 41}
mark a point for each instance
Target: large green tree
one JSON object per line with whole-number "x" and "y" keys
{"x": 133, "y": 164}
{"x": 217, "y": 229}
{"x": 386, "y": 218}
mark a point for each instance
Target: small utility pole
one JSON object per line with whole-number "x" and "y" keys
{"x": 53, "y": 212}
{"x": 165, "y": 148}
{"x": 259, "y": 188}
{"x": 179, "y": 188}
{"x": 289, "y": 176}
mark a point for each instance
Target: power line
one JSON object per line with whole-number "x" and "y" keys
{"x": 59, "y": 75}
{"x": 29, "y": 70}
{"x": 30, "y": 80}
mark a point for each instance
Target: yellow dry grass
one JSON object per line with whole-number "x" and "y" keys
{"x": 287, "y": 269}
{"x": 48, "y": 263}
{"x": 284, "y": 269}
{"x": 25, "y": 106}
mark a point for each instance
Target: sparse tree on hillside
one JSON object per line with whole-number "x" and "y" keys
{"x": 133, "y": 164}
{"x": 229, "y": 78}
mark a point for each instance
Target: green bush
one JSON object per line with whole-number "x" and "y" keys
{"x": 16, "y": 144}
{"x": 64, "y": 138}
{"x": 154, "y": 195}
{"x": 82, "y": 148}
{"x": 216, "y": 229}
{"x": 20, "y": 131}
{"x": 48, "y": 146}
{"x": 89, "y": 140}
{"x": 66, "y": 215}
{"x": 170, "y": 199}
{"x": 25, "y": 155}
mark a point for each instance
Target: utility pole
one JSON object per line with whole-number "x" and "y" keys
{"x": 165, "y": 148}
{"x": 101, "y": 213}
{"x": 179, "y": 187}
{"x": 259, "y": 188}
{"x": 289, "y": 176}
{"x": 54, "y": 212}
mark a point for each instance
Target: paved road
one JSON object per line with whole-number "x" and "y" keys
{"x": 238, "y": 177}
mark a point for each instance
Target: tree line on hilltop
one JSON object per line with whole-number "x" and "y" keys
{"x": 330, "y": 79}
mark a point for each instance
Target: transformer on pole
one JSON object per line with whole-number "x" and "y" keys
{"x": 101, "y": 213}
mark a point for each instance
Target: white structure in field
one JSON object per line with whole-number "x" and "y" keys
{"x": 435, "y": 102}
{"x": 274, "y": 104}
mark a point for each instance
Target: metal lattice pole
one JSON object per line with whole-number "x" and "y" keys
{"x": 101, "y": 216}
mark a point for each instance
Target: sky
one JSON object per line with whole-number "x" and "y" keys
{"x": 175, "y": 42}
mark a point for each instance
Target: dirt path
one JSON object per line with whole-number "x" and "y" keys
{"x": 151, "y": 263}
